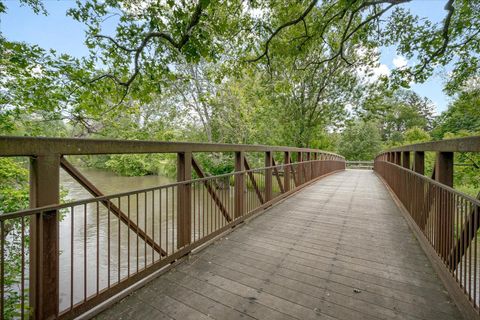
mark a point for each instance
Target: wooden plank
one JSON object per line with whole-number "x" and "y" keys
{"x": 233, "y": 300}
{"x": 194, "y": 300}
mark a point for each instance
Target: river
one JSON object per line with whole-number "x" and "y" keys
{"x": 102, "y": 233}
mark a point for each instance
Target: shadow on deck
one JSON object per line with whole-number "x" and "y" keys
{"x": 339, "y": 249}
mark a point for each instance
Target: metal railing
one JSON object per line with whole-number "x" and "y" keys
{"x": 87, "y": 251}
{"x": 446, "y": 220}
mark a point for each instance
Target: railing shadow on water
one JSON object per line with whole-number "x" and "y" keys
{"x": 108, "y": 243}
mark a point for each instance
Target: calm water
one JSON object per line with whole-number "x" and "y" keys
{"x": 89, "y": 229}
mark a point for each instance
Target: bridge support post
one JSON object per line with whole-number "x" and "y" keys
{"x": 406, "y": 159}
{"x": 286, "y": 171}
{"x": 268, "y": 176}
{"x": 184, "y": 191}
{"x": 44, "y": 252}
{"x": 419, "y": 162}
{"x": 445, "y": 209}
{"x": 398, "y": 158}
{"x": 300, "y": 168}
{"x": 308, "y": 167}
{"x": 239, "y": 184}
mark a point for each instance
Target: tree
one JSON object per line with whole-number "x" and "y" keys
{"x": 462, "y": 115}
{"x": 397, "y": 112}
{"x": 360, "y": 141}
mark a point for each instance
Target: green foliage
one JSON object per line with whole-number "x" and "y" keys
{"x": 215, "y": 163}
{"x": 397, "y": 112}
{"x": 416, "y": 135}
{"x": 129, "y": 165}
{"x": 14, "y": 195}
{"x": 360, "y": 141}
{"x": 13, "y": 185}
{"x": 462, "y": 115}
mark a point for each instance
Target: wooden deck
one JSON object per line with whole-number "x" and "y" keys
{"x": 339, "y": 249}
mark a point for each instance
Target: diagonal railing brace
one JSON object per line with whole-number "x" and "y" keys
{"x": 210, "y": 190}
{"x": 90, "y": 187}
{"x": 254, "y": 182}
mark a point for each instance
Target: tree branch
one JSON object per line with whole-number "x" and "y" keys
{"x": 283, "y": 26}
{"x": 445, "y": 35}
{"x": 194, "y": 20}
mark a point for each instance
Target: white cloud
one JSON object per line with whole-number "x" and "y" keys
{"x": 371, "y": 75}
{"x": 381, "y": 70}
{"x": 399, "y": 62}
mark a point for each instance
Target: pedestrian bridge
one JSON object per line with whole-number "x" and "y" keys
{"x": 299, "y": 237}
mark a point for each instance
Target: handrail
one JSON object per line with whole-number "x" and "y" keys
{"x": 440, "y": 185}
{"x": 30, "y": 146}
{"x": 465, "y": 144}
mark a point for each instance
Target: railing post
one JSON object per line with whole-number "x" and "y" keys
{"x": 315, "y": 165}
{"x": 239, "y": 184}
{"x": 268, "y": 176}
{"x": 184, "y": 191}
{"x": 444, "y": 168}
{"x": 286, "y": 171}
{"x": 300, "y": 168}
{"x": 406, "y": 159}
{"x": 444, "y": 222}
{"x": 44, "y": 252}
{"x": 308, "y": 168}
{"x": 397, "y": 157}
{"x": 419, "y": 162}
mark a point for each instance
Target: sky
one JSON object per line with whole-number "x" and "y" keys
{"x": 65, "y": 35}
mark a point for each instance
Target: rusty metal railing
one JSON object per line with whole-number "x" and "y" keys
{"x": 90, "y": 250}
{"x": 446, "y": 221}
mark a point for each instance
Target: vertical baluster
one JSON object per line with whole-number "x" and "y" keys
{"x": 153, "y": 225}
{"x": 128, "y": 237}
{"x": 118, "y": 240}
{"x": 108, "y": 244}
{"x": 97, "y": 265}
{"x": 173, "y": 220}
{"x": 22, "y": 284}
{"x": 84, "y": 252}
{"x": 145, "y": 206}
{"x": 137, "y": 213}
{"x": 2, "y": 268}
{"x": 160, "y": 220}
{"x": 475, "y": 228}
{"x": 71, "y": 255}
{"x": 166, "y": 221}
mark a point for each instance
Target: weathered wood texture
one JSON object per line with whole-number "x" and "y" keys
{"x": 339, "y": 249}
